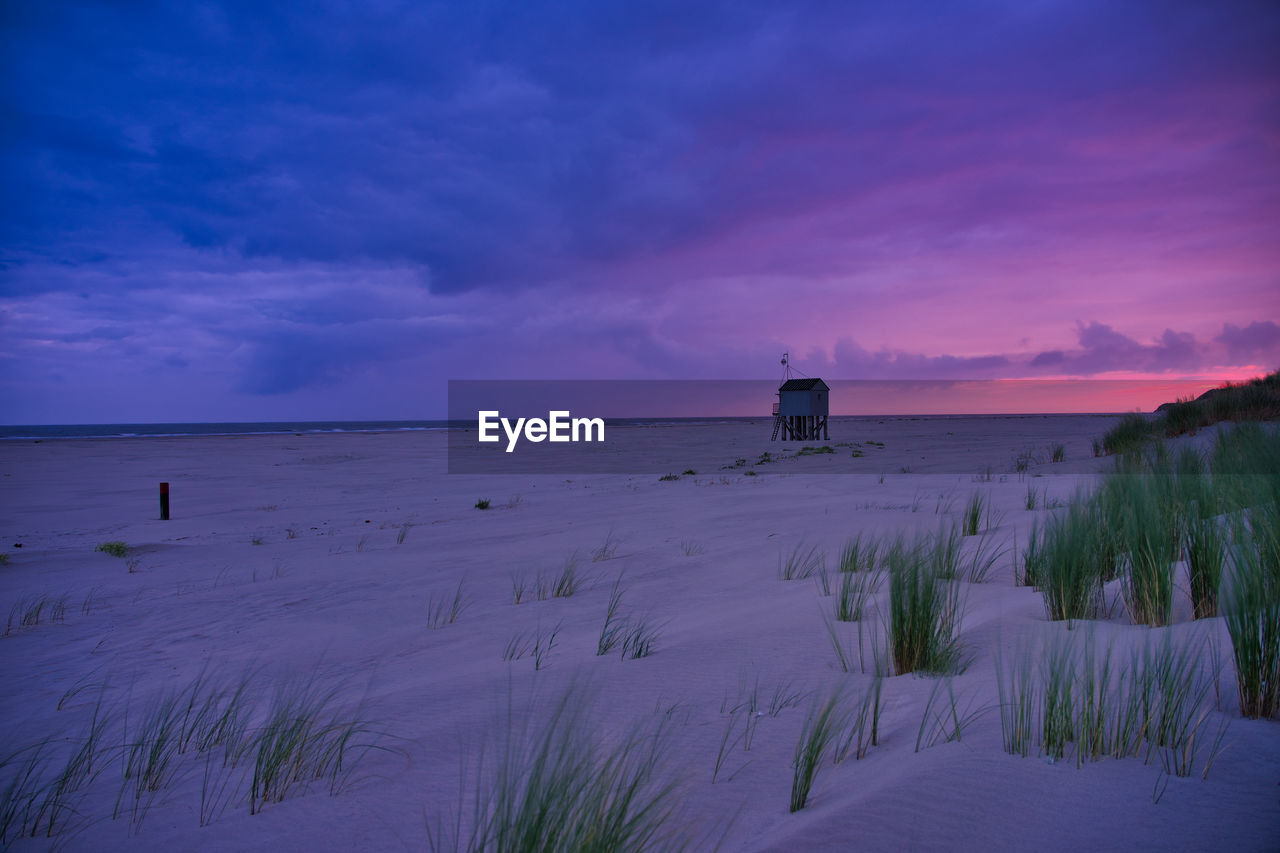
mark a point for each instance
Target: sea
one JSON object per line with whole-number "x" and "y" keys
{"x": 40, "y": 432}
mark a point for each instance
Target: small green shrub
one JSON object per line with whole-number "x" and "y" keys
{"x": 114, "y": 548}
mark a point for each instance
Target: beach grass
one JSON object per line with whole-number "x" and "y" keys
{"x": 1206, "y": 552}
{"x": 444, "y": 610}
{"x": 976, "y": 512}
{"x": 801, "y": 563}
{"x": 924, "y": 613}
{"x": 305, "y": 737}
{"x": 1149, "y": 536}
{"x": 853, "y": 593}
{"x": 31, "y": 611}
{"x": 614, "y": 628}
{"x": 562, "y": 784}
{"x": 820, "y": 731}
{"x": 1070, "y": 563}
{"x": 1076, "y": 698}
{"x": 1130, "y": 433}
{"x": 859, "y": 553}
{"x": 863, "y": 723}
{"x": 570, "y": 579}
{"x": 1250, "y": 607}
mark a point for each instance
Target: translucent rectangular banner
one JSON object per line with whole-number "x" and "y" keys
{"x": 723, "y": 428}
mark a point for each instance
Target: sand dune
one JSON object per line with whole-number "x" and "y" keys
{"x": 326, "y": 557}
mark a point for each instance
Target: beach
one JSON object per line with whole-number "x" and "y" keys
{"x": 355, "y": 564}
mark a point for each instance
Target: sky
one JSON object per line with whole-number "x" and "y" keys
{"x": 219, "y": 211}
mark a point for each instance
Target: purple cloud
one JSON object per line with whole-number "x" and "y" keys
{"x": 280, "y": 204}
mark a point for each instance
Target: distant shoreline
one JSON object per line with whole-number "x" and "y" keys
{"x": 42, "y": 432}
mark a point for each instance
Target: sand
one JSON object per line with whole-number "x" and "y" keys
{"x": 283, "y": 554}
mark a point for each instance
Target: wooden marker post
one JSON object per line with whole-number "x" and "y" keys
{"x": 164, "y": 501}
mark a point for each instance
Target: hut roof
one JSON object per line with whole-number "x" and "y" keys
{"x": 802, "y": 385}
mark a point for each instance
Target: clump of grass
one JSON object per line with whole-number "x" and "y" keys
{"x": 855, "y": 589}
{"x": 445, "y": 610}
{"x": 942, "y": 551}
{"x": 820, "y": 730}
{"x": 639, "y": 639}
{"x": 569, "y": 580}
{"x": 801, "y": 563}
{"x": 4, "y": 558}
{"x": 114, "y": 548}
{"x": 864, "y": 724}
{"x": 403, "y": 533}
{"x": 859, "y": 553}
{"x": 689, "y": 472}
{"x": 150, "y": 758}
{"x": 924, "y": 614}
{"x": 1057, "y": 674}
{"x": 563, "y": 785}
{"x": 517, "y": 647}
{"x": 1079, "y": 699}
{"x": 304, "y": 738}
{"x": 1033, "y": 556}
{"x": 666, "y": 478}
{"x": 518, "y": 586}
{"x": 1032, "y": 497}
{"x": 607, "y": 549}
{"x": 611, "y": 635}
{"x": 823, "y": 580}
{"x": 691, "y": 548}
{"x": 27, "y": 802}
{"x": 543, "y": 644}
{"x": 820, "y": 450}
{"x": 483, "y": 503}
{"x": 784, "y": 697}
{"x": 1250, "y": 606}
{"x": 1018, "y": 709}
{"x": 976, "y": 510}
{"x": 1059, "y": 453}
{"x": 1206, "y": 550}
{"x": 1070, "y": 563}
{"x": 1129, "y": 434}
{"x": 30, "y": 612}
{"x": 1149, "y": 536}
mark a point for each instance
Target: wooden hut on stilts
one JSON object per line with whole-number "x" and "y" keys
{"x": 802, "y": 408}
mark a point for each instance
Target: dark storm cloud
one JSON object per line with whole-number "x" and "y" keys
{"x": 503, "y": 144}
{"x": 303, "y": 195}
